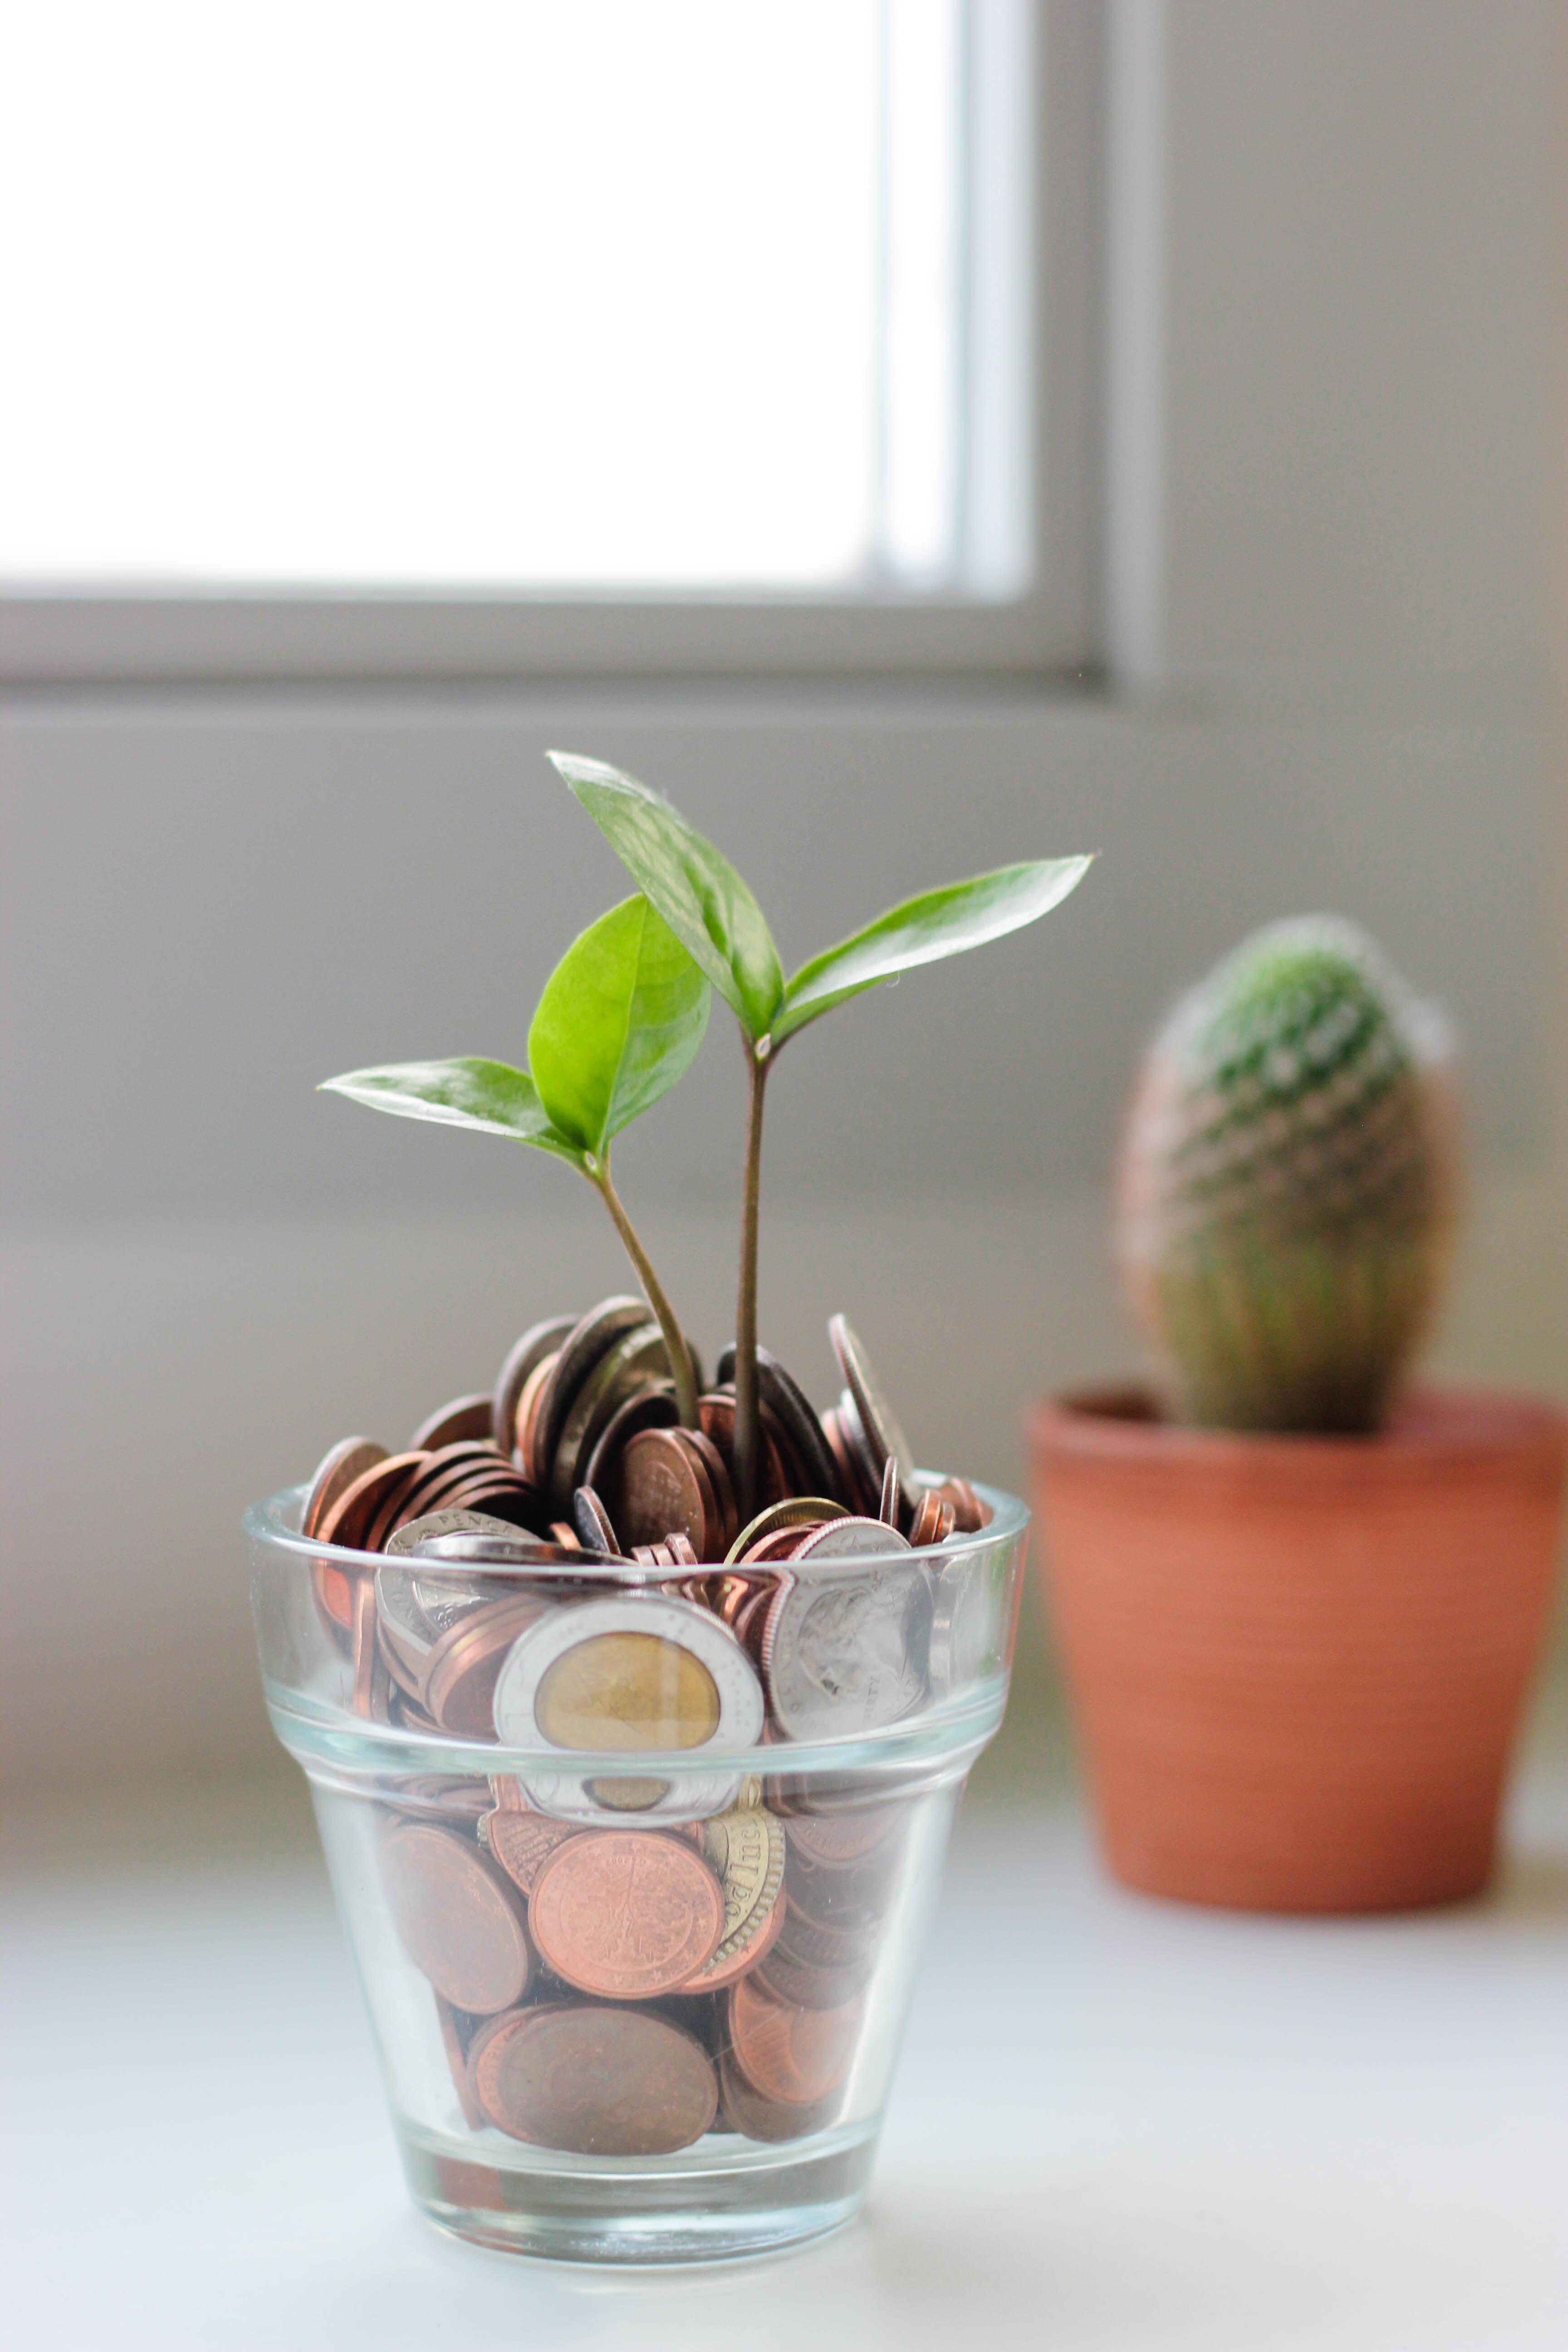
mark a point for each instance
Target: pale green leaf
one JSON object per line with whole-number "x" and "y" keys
{"x": 620, "y": 1019}
{"x": 693, "y": 885}
{"x": 489, "y": 1097}
{"x": 938, "y": 923}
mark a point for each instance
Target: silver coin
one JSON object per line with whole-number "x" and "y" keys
{"x": 966, "y": 1630}
{"x": 509, "y": 1549}
{"x": 442, "y": 1600}
{"x": 407, "y": 1635}
{"x": 848, "y": 1654}
{"x": 591, "y": 1522}
{"x": 877, "y": 1418}
{"x": 416, "y": 1532}
{"x": 864, "y": 1461}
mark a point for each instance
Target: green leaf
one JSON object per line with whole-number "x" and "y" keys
{"x": 921, "y": 931}
{"x": 621, "y": 1016}
{"x": 695, "y": 887}
{"x": 489, "y": 1097}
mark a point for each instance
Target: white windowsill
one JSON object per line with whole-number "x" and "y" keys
{"x": 1118, "y": 2124}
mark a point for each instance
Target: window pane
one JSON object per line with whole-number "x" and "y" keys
{"x": 489, "y": 292}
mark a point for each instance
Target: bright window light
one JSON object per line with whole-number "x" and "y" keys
{"x": 493, "y": 294}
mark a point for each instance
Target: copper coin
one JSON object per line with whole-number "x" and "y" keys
{"x": 746, "y": 2111}
{"x": 783, "y": 1544}
{"x": 591, "y": 1522}
{"x": 969, "y": 1513}
{"x": 409, "y": 1502}
{"x": 347, "y": 1460}
{"x": 461, "y": 1671}
{"x": 799, "y": 1511}
{"x": 625, "y": 1913}
{"x": 726, "y": 1594}
{"x": 581, "y": 1349}
{"x": 793, "y": 1408}
{"x": 932, "y": 1521}
{"x": 867, "y": 1465}
{"x": 467, "y": 1416}
{"x": 652, "y": 1408}
{"x": 595, "y": 2081}
{"x": 717, "y": 1411}
{"x": 533, "y": 1388}
{"x": 837, "y": 1840}
{"x": 629, "y": 1364}
{"x": 849, "y": 1477}
{"x": 404, "y": 1710}
{"x": 445, "y": 1484}
{"x": 717, "y": 1468}
{"x": 439, "y": 1471}
{"x": 799, "y": 1985}
{"x": 450, "y": 1796}
{"x": 460, "y": 1921}
{"x": 365, "y": 1653}
{"x": 844, "y": 1900}
{"x": 348, "y": 1517}
{"x": 664, "y": 1485}
{"x": 795, "y": 2055}
{"x": 535, "y": 1344}
{"x": 439, "y": 1489}
{"x": 501, "y": 1495}
{"x": 745, "y": 1850}
{"x": 564, "y": 1533}
{"x": 809, "y": 1944}
{"x": 456, "y": 2033}
{"x": 523, "y": 1842}
{"x": 752, "y": 1619}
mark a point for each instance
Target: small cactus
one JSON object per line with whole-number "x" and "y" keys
{"x": 1286, "y": 1187}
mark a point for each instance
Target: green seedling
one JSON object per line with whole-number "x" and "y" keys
{"x": 716, "y": 918}
{"x": 620, "y": 1019}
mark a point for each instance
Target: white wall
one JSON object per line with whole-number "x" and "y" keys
{"x": 216, "y": 898}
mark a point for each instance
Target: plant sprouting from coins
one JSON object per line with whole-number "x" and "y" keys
{"x": 623, "y": 1013}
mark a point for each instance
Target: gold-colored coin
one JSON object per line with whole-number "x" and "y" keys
{"x": 800, "y": 1511}
{"x": 745, "y": 1850}
{"x": 627, "y": 1690}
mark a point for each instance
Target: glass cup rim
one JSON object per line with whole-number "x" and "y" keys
{"x": 274, "y": 1520}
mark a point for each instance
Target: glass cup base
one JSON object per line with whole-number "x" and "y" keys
{"x": 613, "y": 2212}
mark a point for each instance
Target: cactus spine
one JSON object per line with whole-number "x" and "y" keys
{"x": 1286, "y": 1187}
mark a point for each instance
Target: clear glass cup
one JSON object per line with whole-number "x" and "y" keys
{"x": 638, "y": 1973}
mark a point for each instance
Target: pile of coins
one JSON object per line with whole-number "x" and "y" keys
{"x": 624, "y": 1957}
{"x": 622, "y": 1991}
{"x": 575, "y": 1459}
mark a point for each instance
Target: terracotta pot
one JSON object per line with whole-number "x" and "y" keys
{"x": 1299, "y": 1663}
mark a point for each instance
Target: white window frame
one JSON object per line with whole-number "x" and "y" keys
{"x": 1033, "y": 423}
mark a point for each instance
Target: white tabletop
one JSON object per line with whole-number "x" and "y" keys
{"x": 1118, "y": 2124}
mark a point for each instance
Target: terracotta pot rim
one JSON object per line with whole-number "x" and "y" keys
{"x": 1119, "y": 1421}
